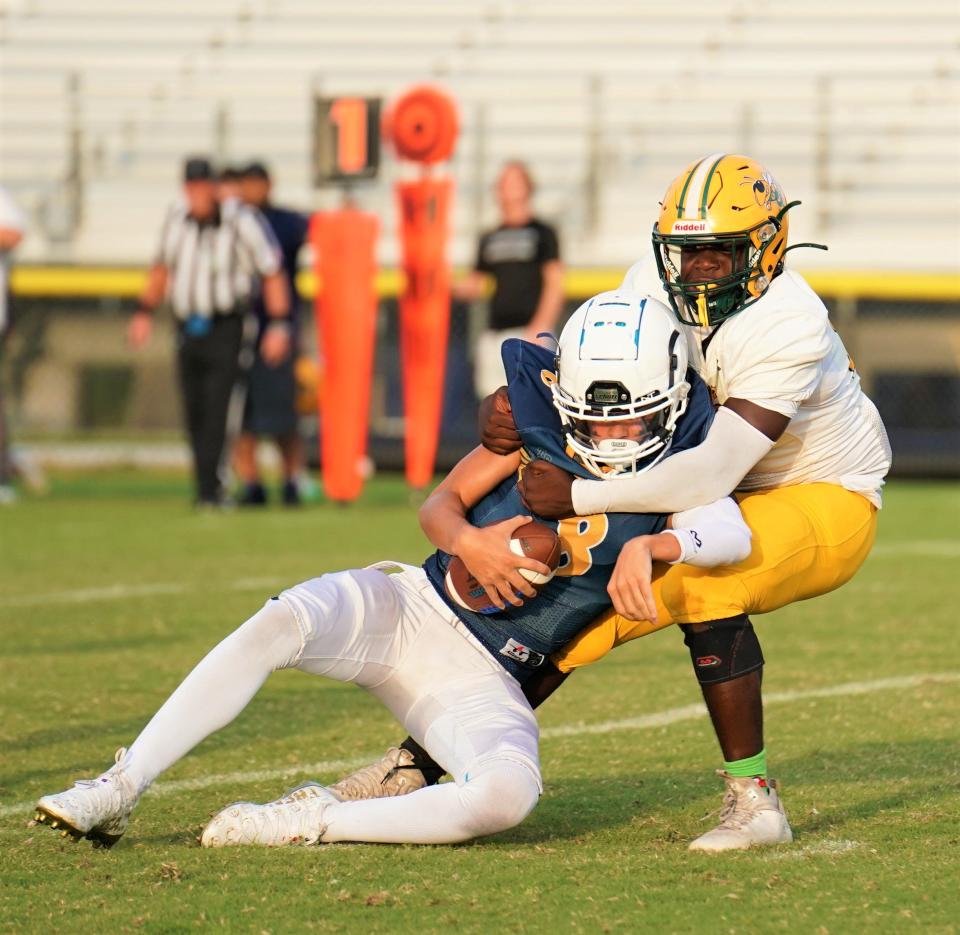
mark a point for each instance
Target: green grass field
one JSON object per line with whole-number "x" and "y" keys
{"x": 112, "y": 589}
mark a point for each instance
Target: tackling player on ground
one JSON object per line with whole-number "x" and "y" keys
{"x": 795, "y": 436}
{"x": 453, "y": 678}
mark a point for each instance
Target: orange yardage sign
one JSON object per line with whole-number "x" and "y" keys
{"x": 349, "y": 114}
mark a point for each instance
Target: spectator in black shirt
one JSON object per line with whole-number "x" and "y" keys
{"x": 522, "y": 257}
{"x": 271, "y": 392}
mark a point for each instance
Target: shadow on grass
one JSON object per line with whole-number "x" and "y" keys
{"x": 286, "y": 711}
{"x": 654, "y": 799}
{"x": 150, "y": 642}
{"x": 657, "y": 804}
{"x": 97, "y": 732}
{"x": 932, "y": 759}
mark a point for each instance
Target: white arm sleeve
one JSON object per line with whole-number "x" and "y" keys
{"x": 711, "y": 535}
{"x": 690, "y": 478}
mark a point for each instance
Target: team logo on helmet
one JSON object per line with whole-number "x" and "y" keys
{"x": 766, "y": 191}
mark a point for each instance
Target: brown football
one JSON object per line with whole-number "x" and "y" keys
{"x": 534, "y": 540}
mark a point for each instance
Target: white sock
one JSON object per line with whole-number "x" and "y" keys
{"x": 216, "y": 691}
{"x": 498, "y": 797}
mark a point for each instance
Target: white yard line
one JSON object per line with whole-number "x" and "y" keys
{"x": 830, "y": 846}
{"x": 643, "y": 722}
{"x": 119, "y": 592}
{"x": 923, "y": 548}
{"x": 111, "y": 592}
{"x": 692, "y": 711}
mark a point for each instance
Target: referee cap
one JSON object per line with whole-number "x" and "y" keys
{"x": 229, "y": 174}
{"x": 198, "y": 169}
{"x": 256, "y": 170}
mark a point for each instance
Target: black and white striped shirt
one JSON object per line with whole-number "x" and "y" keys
{"x": 214, "y": 264}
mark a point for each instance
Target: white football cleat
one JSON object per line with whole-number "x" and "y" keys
{"x": 393, "y": 775}
{"x": 752, "y": 814}
{"x": 98, "y": 809}
{"x": 294, "y": 818}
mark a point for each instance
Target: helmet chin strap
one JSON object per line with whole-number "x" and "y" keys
{"x": 595, "y": 462}
{"x": 615, "y": 446}
{"x": 702, "y": 314}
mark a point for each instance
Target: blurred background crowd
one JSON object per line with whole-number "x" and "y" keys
{"x": 574, "y": 117}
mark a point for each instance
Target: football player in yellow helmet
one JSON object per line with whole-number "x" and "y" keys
{"x": 794, "y": 436}
{"x": 730, "y": 206}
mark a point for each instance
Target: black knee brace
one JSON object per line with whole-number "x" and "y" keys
{"x": 422, "y": 761}
{"x": 724, "y": 650}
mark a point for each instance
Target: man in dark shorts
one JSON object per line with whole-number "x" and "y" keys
{"x": 522, "y": 257}
{"x": 270, "y": 405}
{"x": 214, "y": 257}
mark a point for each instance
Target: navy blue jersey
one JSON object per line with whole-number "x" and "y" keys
{"x": 521, "y": 637}
{"x": 290, "y": 230}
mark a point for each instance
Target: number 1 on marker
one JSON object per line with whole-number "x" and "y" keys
{"x": 350, "y": 116}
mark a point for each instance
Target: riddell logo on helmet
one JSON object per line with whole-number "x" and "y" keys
{"x": 690, "y": 227}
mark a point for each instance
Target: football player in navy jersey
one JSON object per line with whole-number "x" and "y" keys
{"x": 617, "y": 398}
{"x": 603, "y": 418}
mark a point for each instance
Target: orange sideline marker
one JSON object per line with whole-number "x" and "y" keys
{"x": 346, "y": 309}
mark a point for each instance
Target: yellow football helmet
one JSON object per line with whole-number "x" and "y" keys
{"x": 732, "y": 203}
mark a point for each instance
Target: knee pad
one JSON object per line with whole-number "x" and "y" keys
{"x": 723, "y": 649}
{"x": 500, "y": 796}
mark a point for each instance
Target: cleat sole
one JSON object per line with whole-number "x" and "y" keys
{"x": 98, "y": 838}
{"x": 58, "y": 824}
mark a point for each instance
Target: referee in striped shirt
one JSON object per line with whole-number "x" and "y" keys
{"x": 211, "y": 261}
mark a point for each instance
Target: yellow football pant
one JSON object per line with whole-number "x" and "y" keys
{"x": 808, "y": 539}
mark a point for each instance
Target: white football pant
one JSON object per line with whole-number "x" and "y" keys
{"x": 393, "y": 635}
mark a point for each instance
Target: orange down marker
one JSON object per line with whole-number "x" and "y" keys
{"x": 422, "y": 126}
{"x": 346, "y": 309}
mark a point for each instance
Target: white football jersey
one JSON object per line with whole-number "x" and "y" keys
{"x": 782, "y": 353}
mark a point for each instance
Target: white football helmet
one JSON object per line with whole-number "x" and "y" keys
{"x": 621, "y": 382}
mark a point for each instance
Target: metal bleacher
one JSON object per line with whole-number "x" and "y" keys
{"x": 854, "y": 105}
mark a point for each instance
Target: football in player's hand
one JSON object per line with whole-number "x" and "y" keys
{"x": 532, "y": 540}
